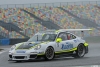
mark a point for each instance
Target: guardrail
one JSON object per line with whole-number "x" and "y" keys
{"x": 56, "y": 4}
{"x": 5, "y": 42}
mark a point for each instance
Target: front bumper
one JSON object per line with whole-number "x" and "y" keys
{"x": 19, "y": 57}
{"x": 22, "y": 57}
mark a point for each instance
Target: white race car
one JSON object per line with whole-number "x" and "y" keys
{"x": 49, "y": 44}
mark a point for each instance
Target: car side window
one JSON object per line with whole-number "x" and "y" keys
{"x": 63, "y": 36}
{"x": 73, "y": 37}
{"x": 70, "y": 36}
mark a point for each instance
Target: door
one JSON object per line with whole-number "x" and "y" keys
{"x": 65, "y": 44}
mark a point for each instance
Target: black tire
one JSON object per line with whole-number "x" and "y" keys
{"x": 49, "y": 53}
{"x": 86, "y": 50}
{"x": 80, "y": 52}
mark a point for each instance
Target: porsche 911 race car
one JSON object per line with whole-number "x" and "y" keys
{"x": 50, "y": 44}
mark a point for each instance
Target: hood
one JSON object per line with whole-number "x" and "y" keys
{"x": 27, "y": 45}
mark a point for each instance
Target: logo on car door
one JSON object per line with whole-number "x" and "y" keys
{"x": 66, "y": 46}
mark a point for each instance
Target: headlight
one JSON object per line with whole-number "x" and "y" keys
{"x": 37, "y": 47}
{"x": 12, "y": 47}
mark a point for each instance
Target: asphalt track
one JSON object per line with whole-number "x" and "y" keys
{"x": 92, "y": 58}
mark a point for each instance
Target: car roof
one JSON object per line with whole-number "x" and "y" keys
{"x": 53, "y": 31}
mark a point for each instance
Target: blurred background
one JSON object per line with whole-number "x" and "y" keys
{"x": 19, "y": 21}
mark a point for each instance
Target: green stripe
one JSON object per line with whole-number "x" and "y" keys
{"x": 66, "y": 50}
{"x": 18, "y": 46}
{"x": 41, "y": 54}
{"x": 38, "y": 44}
{"x": 32, "y": 43}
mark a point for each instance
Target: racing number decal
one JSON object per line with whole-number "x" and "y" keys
{"x": 67, "y": 46}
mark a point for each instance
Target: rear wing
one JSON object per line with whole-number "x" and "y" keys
{"x": 81, "y": 30}
{"x": 75, "y": 29}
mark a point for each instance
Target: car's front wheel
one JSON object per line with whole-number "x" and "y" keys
{"x": 49, "y": 53}
{"x": 80, "y": 51}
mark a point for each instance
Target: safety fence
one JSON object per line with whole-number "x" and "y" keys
{"x": 56, "y": 4}
{"x": 11, "y": 14}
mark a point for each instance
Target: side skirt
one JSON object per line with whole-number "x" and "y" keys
{"x": 65, "y": 54}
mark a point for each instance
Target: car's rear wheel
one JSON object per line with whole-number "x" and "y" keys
{"x": 80, "y": 51}
{"x": 86, "y": 50}
{"x": 49, "y": 53}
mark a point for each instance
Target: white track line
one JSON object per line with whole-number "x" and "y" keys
{"x": 2, "y": 51}
{"x": 89, "y": 66}
{"x": 5, "y": 49}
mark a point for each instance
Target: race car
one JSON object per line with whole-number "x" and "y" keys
{"x": 50, "y": 44}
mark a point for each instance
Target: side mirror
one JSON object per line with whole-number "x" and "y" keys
{"x": 58, "y": 40}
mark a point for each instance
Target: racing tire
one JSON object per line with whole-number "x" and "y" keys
{"x": 80, "y": 52}
{"x": 49, "y": 53}
{"x": 86, "y": 50}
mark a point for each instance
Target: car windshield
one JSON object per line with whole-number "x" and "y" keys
{"x": 43, "y": 37}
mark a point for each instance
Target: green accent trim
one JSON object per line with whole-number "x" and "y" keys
{"x": 32, "y": 43}
{"x": 22, "y": 49}
{"x": 85, "y": 44}
{"x": 39, "y": 44}
{"x": 58, "y": 40}
{"x": 18, "y": 46}
{"x": 41, "y": 54}
{"x": 73, "y": 49}
{"x": 33, "y": 46}
{"x": 56, "y": 31}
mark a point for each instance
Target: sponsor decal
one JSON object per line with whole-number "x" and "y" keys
{"x": 20, "y": 51}
{"x": 67, "y": 46}
{"x": 75, "y": 41}
{"x": 41, "y": 52}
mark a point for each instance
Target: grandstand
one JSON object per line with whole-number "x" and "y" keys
{"x": 31, "y": 19}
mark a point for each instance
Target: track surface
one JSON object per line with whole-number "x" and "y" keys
{"x": 92, "y": 58}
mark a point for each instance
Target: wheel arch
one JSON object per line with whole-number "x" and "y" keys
{"x": 53, "y": 54}
{"x": 52, "y": 47}
{"x": 86, "y": 47}
{"x": 80, "y": 43}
